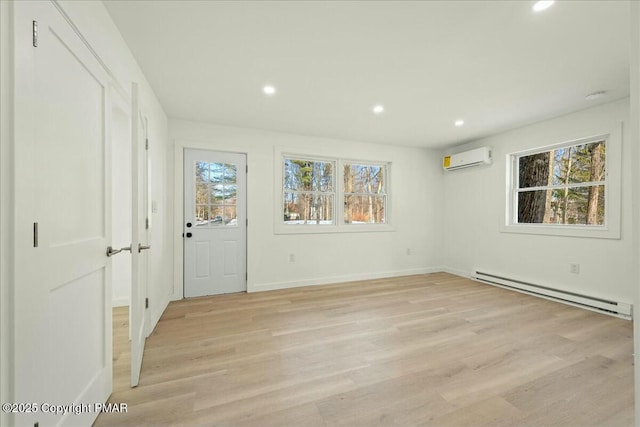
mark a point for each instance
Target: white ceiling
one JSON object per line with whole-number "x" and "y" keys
{"x": 495, "y": 64}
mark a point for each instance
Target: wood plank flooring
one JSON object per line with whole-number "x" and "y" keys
{"x": 427, "y": 350}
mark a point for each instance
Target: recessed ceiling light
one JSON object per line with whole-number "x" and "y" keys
{"x": 541, "y": 5}
{"x": 459, "y": 123}
{"x": 268, "y": 90}
{"x": 378, "y": 109}
{"x": 595, "y": 95}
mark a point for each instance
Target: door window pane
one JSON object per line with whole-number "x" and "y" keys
{"x": 230, "y": 173}
{"x": 216, "y": 194}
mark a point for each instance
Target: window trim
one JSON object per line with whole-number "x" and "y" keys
{"x": 613, "y": 165}
{"x": 339, "y": 226}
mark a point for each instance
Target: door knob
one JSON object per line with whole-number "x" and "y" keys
{"x": 189, "y": 234}
{"x": 111, "y": 252}
{"x": 142, "y": 248}
{"x": 189, "y": 225}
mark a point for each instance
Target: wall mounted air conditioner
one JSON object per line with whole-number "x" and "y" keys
{"x": 467, "y": 159}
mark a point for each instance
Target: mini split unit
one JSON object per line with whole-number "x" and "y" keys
{"x": 467, "y": 159}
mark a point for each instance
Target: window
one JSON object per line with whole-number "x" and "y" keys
{"x": 565, "y": 185}
{"x": 567, "y": 189}
{"x": 216, "y": 194}
{"x": 331, "y": 195}
{"x": 364, "y": 194}
{"x": 308, "y": 191}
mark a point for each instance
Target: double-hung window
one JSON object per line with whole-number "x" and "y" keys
{"x": 364, "y": 193}
{"x": 330, "y": 194}
{"x": 567, "y": 189}
{"x": 308, "y": 191}
{"x": 563, "y": 186}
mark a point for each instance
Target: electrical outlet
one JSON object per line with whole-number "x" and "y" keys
{"x": 292, "y": 258}
{"x": 574, "y": 268}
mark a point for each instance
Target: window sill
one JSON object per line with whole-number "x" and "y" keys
{"x": 328, "y": 229}
{"x": 563, "y": 230}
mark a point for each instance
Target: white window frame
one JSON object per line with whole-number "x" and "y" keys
{"x": 612, "y": 182}
{"x": 385, "y": 166}
{"x": 338, "y": 226}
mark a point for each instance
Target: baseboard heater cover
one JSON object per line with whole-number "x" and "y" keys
{"x": 615, "y": 308}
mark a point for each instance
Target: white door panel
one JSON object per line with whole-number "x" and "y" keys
{"x": 215, "y": 225}
{"x": 62, "y": 295}
{"x": 140, "y": 236}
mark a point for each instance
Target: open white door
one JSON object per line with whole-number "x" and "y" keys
{"x": 215, "y": 228}
{"x": 62, "y": 352}
{"x": 140, "y": 236}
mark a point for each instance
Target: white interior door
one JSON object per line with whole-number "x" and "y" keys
{"x": 215, "y": 223}
{"x": 62, "y": 213}
{"x": 140, "y": 236}
{"x": 121, "y": 198}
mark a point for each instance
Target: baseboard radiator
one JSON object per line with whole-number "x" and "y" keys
{"x": 614, "y": 308}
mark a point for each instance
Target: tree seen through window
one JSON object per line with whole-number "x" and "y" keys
{"x": 563, "y": 186}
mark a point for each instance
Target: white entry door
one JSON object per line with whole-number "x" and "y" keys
{"x": 140, "y": 235}
{"x": 62, "y": 311}
{"x": 215, "y": 223}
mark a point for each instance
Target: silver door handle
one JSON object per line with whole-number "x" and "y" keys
{"x": 142, "y": 248}
{"x": 111, "y": 252}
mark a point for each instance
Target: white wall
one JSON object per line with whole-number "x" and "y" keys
{"x": 6, "y": 219}
{"x": 635, "y": 158}
{"x": 475, "y": 208}
{"x": 96, "y": 25}
{"x": 416, "y": 192}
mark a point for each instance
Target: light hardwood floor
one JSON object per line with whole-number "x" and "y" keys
{"x": 428, "y": 350}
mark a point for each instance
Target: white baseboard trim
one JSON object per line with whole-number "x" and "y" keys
{"x": 457, "y": 272}
{"x": 260, "y": 287}
{"x": 120, "y": 302}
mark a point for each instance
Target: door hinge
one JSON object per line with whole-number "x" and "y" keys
{"x": 146, "y": 223}
{"x": 247, "y": 168}
{"x": 146, "y": 303}
{"x": 247, "y": 222}
{"x": 35, "y": 234}
{"x": 146, "y": 144}
{"x": 35, "y": 33}
{"x": 246, "y": 276}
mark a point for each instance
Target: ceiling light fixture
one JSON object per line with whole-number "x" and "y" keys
{"x": 268, "y": 90}
{"x": 541, "y": 5}
{"x": 595, "y": 95}
{"x": 378, "y": 109}
{"x": 459, "y": 123}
